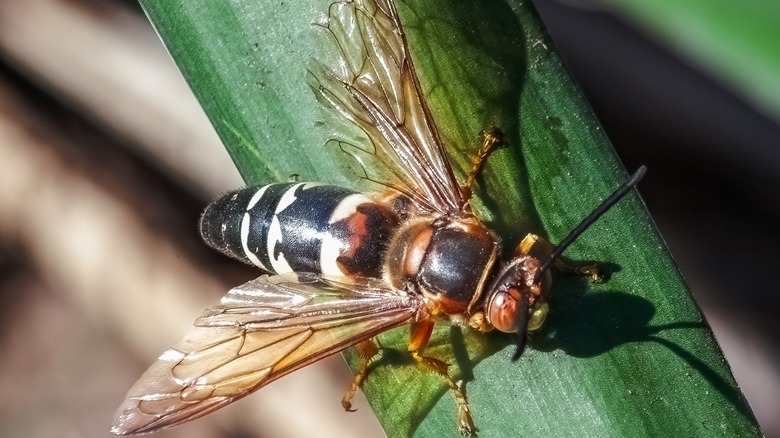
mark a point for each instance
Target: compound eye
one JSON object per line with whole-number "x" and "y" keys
{"x": 507, "y": 313}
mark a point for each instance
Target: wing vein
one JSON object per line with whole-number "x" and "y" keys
{"x": 375, "y": 87}
{"x": 260, "y": 331}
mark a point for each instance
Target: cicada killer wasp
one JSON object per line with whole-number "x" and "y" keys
{"x": 343, "y": 266}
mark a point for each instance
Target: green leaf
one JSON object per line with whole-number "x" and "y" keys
{"x": 631, "y": 356}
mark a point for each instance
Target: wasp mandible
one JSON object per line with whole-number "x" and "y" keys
{"x": 344, "y": 266}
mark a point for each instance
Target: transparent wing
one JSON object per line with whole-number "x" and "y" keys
{"x": 259, "y": 332}
{"x": 374, "y": 86}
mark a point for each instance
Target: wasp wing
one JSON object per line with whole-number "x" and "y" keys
{"x": 374, "y": 86}
{"x": 259, "y": 332}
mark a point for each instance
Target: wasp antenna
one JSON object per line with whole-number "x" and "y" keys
{"x": 593, "y": 217}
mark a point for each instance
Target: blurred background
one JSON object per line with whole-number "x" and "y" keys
{"x": 106, "y": 161}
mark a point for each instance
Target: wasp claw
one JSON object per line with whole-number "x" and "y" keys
{"x": 347, "y": 405}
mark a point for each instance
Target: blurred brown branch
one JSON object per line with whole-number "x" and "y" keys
{"x": 105, "y": 61}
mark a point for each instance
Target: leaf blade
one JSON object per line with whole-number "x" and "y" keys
{"x": 617, "y": 358}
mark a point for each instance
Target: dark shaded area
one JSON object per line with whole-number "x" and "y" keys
{"x": 11, "y": 269}
{"x": 586, "y": 324}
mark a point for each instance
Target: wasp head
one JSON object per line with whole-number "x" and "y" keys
{"x": 517, "y": 300}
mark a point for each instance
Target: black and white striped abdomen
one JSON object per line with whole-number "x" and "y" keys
{"x": 301, "y": 227}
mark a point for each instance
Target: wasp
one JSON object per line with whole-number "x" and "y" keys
{"x": 343, "y": 266}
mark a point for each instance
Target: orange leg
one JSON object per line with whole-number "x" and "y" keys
{"x": 421, "y": 334}
{"x": 535, "y": 246}
{"x": 491, "y": 142}
{"x": 367, "y": 350}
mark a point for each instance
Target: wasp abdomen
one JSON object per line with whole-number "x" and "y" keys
{"x": 301, "y": 227}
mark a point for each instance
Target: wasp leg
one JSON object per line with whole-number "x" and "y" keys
{"x": 491, "y": 142}
{"x": 535, "y": 246}
{"x": 421, "y": 334}
{"x": 368, "y": 351}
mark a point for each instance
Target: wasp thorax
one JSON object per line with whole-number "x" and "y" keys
{"x": 516, "y": 301}
{"x": 448, "y": 262}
